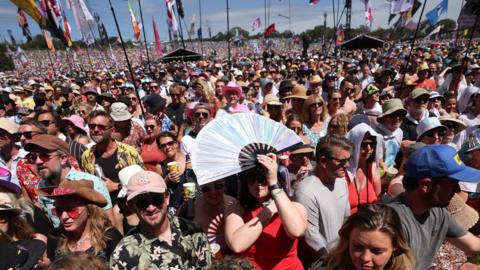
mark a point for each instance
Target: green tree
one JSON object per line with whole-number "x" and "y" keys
{"x": 5, "y": 62}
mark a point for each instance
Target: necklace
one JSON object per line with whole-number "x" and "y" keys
{"x": 81, "y": 242}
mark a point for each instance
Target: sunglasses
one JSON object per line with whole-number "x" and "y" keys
{"x": 27, "y": 134}
{"x": 397, "y": 115}
{"x": 296, "y": 128}
{"x": 44, "y": 157}
{"x": 370, "y": 144}
{"x": 349, "y": 90}
{"x": 386, "y": 97}
{"x": 170, "y": 143}
{"x": 149, "y": 126}
{"x": 142, "y": 202}
{"x": 341, "y": 162}
{"x": 46, "y": 122}
{"x": 431, "y": 133}
{"x": 203, "y": 114}
{"x": 217, "y": 186}
{"x": 422, "y": 100}
{"x": 96, "y": 126}
{"x": 318, "y": 104}
{"x": 254, "y": 180}
{"x": 133, "y": 99}
{"x": 335, "y": 99}
{"x": 73, "y": 212}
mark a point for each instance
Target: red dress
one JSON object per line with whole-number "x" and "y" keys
{"x": 151, "y": 156}
{"x": 273, "y": 248}
{"x": 365, "y": 196}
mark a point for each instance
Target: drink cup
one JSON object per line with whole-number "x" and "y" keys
{"x": 189, "y": 190}
{"x": 173, "y": 166}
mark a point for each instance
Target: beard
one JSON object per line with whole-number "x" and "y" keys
{"x": 52, "y": 175}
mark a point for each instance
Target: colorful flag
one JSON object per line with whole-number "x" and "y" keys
{"x": 48, "y": 39}
{"x": 23, "y": 23}
{"x": 256, "y": 24}
{"x": 314, "y": 2}
{"x": 171, "y": 19}
{"x": 399, "y": 6}
{"x": 51, "y": 11}
{"x": 270, "y": 30}
{"x": 158, "y": 45}
{"x": 191, "y": 31}
{"x": 368, "y": 14}
{"x": 433, "y": 15}
{"x": 340, "y": 36}
{"x": 32, "y": 10}
{"x": 136, "y": 29}
{"x": 83, "y": 19}
{"x": 66, "y": 26}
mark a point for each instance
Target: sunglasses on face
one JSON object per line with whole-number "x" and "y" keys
{"x": 313, "y": 105}
{"x": 341, "y": 162}
{"x": 368, "y": 144}
{"x": 44, "y": 157}
{"x": 73, "y": 212}
{"x": 296, "y": 128}
{"x": 170, "y": 143}
{"x": 433, "y": 132}
{"x": 144, "y": 201}
{"x": 349, "y": 90}
{"x": 217, "y": 186}
{"x": 175, "y": 95}
{"x": 202, "y": 114}
{"x": 335, "y": 99}
{"x": 97, "y": 126}
{"x": 46, "y": 122}
{"x": 133, "y": 98}
{"x": 254, "y": 180}
{"x": 397, "y": 115}
{"x": 422, "y": 100}
{"x": 27, "y": 134}
{"x": 149, "y": 127}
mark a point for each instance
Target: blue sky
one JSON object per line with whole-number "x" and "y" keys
{"x": 242, "y": 13}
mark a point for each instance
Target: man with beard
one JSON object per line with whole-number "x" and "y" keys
{"x": 200, "y": 118}
{"x": 417, "y": 112}
{"x": 51, "y": 158}
{"x": 161, "y": 241}
{"x": 110, "y": 155}
{"x": 431, "y": 179}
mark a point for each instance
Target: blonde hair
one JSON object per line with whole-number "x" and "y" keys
{"x": 373, "y": 217}
{"x": 99, "y": 223}
{"x": 306, "y": 115}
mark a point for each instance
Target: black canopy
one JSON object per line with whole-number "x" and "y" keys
{"x": 362, "y": 42}
{"x": 182, "y": 55}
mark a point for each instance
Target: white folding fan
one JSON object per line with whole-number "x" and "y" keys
{"x": 230, "y": 144}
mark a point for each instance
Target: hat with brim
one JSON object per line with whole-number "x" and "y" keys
{"x": 445, "y": 119}
{"x": 119, "y": 112}
{"x": 105, "y": 96}
{"x": 298, "y": 91}
{"x": 472, "y": 143}
{"x": 77, "y": 121}
{"x": 90, "y": 91}
{"x": 416, "y": 93}
{"x": 428, "y": 124}
{"x": 124, "y": 175}
{"x": 369, "y": 90}
{"x": 232, "y": 87}
{"x": 74, "y": 190}
{"x": 391, "y": 106}
{"x": 272, "y": 100}
{"x": 424, "y": 66}
{"x": 145, "y": 182}
{"x": 315, "y": 79}
{"x": 47, "y": 142}
{"x": 304, "y": 149}
{"x": 22, "y": 254}
{"x": 463, "y": 214}
{"x": 154, "y": 102}
{"x": 265, "y": 81}
{"x": 435, "y": 94}
{"x": 285, "y": 84}
{"x": 8, "y": 125}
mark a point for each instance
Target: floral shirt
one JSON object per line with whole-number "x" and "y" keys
{"x": 137, "y": 135}
{"x": 189, "y": 250}
{"x": 127, "y": 155}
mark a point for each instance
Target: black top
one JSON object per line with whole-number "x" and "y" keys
{"x": 176, "y": 114}
{"x": 176, "y": 189}
{"x": 39, "y": 221}
{"x": 108, "y": 166}
{"x": 409, "y": 128}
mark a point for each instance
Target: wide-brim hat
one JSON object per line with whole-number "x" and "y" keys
{"x": 303, "y": 149}
{"x": 106, "y": 96}
{"x": 77, "y": 121}
{"x": 428, "y": 124}
{"x": 272, "y": 100}
{"x": 435, "y": 94}
{"x": 315, "y": 79}
{"x": 298, "y": 91}
{"x": 391, "y": 106}
{"x": 23, "y": 254}
{"x": 446, "y": 119}
{"x": 119, "y": 112}
{"x": 232, "y": 87}
{"x": 418, "y": 92}
{"x": 463, "y": 214}
{"x": 82, "y": 189}
{"x": 6, "y": 181}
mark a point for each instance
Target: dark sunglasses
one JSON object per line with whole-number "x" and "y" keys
{"x": 336, "y": 99}
{"x": 386, "y": 97}
{"x": 95, "y": 126}
{"x": 317, "y": 104}
{"x": 253, "y": 180}
{"x": 431, "y": 133}
{"x": 142, "y": 202}
{"x": 73, "y": 212}
{"x": 422, "y": 100}
{"x": 44, "y": 157}
{"x": 365, "y": 144}
{"x": 133, "y": 98}
{"x": 149, "y": 126}
{"x": 349, "y": 90}
{"x": 203, "y": 114}
{"x": 46, "y": 122}
{"x": 398, "y": 114}
{"x": 296, "y": 128}
{"x": 170, "y": 143}
{"x": 175, "y": 95}
{"x": 217, "y": 186}
{"x": 27, "y": 134}
{"x": 341, "y": 162}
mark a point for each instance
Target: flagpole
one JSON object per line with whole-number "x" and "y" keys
{"x": 228, "y": 38}
{"x": 201, "y": 30}
{"x": 181, "y": 29}
{"x": 145, "y": 37}
{"x": 412, "y": 44}
{"x": 126, "y": 55}
{"x": 51, "y": 62}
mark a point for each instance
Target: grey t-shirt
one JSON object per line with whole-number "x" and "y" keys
{"x": 425, "y": 234}
{"x": 327, "y": 207}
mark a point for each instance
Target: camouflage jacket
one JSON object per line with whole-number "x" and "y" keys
{"x": 189, "y": 250}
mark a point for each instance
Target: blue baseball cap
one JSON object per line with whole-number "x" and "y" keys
{"x": 440, "y": 160}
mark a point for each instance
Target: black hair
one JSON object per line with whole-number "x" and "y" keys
{"x": 56, "y": 117}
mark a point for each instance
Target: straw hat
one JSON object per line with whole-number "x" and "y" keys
{"x": 303, "y": 149}
{"x": 463, "y": 214}
{"x": 299, "y": 91}
{"x": 444, "y": 119}
{"x": 315, "y": 79}
{"x": 272, "y": 100}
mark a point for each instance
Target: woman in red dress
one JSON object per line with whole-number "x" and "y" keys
{"x": 265, "y": 225}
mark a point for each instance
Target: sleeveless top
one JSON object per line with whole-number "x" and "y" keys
{"x": 273, "y": 250}
{"x": 365, "y": 196}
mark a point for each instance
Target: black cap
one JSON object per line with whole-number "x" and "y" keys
{"x": 285, "y": 84}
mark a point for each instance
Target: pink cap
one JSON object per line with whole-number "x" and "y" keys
{"x": 145, "y": 182}
{"x": 77, "y": 121}
{"x": 232, "y": 87}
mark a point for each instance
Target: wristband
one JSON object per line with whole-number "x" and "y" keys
{"x": 275, "y": 195}
{"x": 274, "y": 186}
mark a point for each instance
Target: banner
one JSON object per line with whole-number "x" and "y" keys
{"x": 23, "y": 23}
{"x": 32, "y": 10}
{"x": 270, "y": 30}
{"x": 314, "y": 2}
{"x": 136, "y": 29}
{"x": 171, "y": 19}
{"x": 256, "y": 24}
{"x": 158, "y": 45}
{"x": 191, "y": 31}
{"x": 48, "y": 39}
{"x": 434, "y": 14}
{"x": 399, "y": 6}
{"x": 83, "y": 19}
{"x": 368, "y": 14}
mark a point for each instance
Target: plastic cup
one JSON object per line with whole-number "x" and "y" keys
{"x": 173, "y": 166}
{"x": 189, "y": 190}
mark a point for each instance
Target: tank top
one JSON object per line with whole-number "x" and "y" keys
{"x": 365, "y": 196}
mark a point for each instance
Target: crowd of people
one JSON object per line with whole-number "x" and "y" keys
{"x": 96, "y": 163}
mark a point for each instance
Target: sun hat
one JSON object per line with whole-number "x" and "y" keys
{"x": 77, "y": 121}
{"x": 145, "y": 182}
{"x": 119, "y": 112}
{"x": 265, "y": 81}
{"x": 22, "y": 254}
{"x": 107, "y": 96}
{"x": 298, "y": 91}
{"x": 416, "y": 93}
{"x": 232, "y": 87}
{"x": 6, "y": 181}
{"x": 8, "y": 125}
{"x": 315, "y": 79}
{"x": 446, "y": 119}
{"x": 423, "y": 66}
{"x": 463, "y": 213}
{"x": 48, "y": 142}
{"x": 82, "y": 189}
{"x": 6, "y": 204}
{"x": 439, "y": 160}
{"x": 303, "y": 149}
{"x": 435, "y": 94}
{"x": 472, "y": 143}
{"x": 124, "y": 175}
{"x": 428, "y": 124}
{"x": 272, "y": 100}
{"x": 391, "y": 106}
{"x": 369, "y": 90}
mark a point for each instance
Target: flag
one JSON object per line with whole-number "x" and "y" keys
{"x": 180, "y": 10}
{"x": 158, "y": 45}
{"x": 256, "y": 24}
{"x": 399, "y": 6}
{"x": 368, "y": 14}
{"x": 314, "y": 2}
{"x": 83, "y": 19}
{"x": 340, "y": 36}
{"x": 23, "y": 23}
{"x": 52, "y": 12}
{"x": 270, "y": 30}
{"x": 171, "y": 19}
{"x": 32, "y": 10}
{"x": 66, "y": 26}
{"x": 444, "y": 6}
{"x": 14, "y": 42}
{"x": 435, "y": 31}
{"x": 48, "y": 39}
{"x": 433, "y": 15}
{"x": 191, "y": 31}
{"x": 136, "y": 29}
{"x": 406, "y": 15}
{"x": 199, "y": 33}
{"x": 103, "y": 33}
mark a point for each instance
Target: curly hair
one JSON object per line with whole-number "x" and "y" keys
{"x": 373, "y": 217}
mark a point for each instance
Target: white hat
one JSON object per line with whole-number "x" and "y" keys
{"x": 119, "y": 112}
{"x": 428, "y": 124}
{"x": 124, "y": 175}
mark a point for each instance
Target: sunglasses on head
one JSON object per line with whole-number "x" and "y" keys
{"x": 203, "y": 114}
{"x": 96, "y": 126}
{"x": 216, "y": 186}
{"x": 170, "y": 143}
{"x": 44, "y": 157}
{"x": 142, "y": 202}
{"x": 73, "y": 212}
